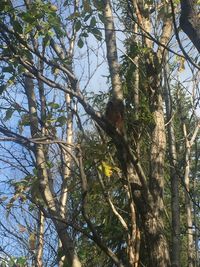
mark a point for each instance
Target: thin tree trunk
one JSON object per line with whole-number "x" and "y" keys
{"x": 66, "y": 168}
{"x": 136, "y": 235}
{"x": 175, "y": 254}
{"x": 112, "y": 58}
{"x": 188, "y": 203}
{"x": 117, "y": 95}
{"x": 195, "y": 208}
{"x": 44, "y": 186}
{"x": 40, "y": 239}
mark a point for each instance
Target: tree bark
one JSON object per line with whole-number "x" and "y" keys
{"x": 153, "y": 223}
{"x": 153, "y": 212}
{"x": 112, "y": 58}
{"x": 66, "y": 167}
{"x": 40, "y": 247}
{"x": 175, "y": 251}
{"x": 188, "y": 203}
{"x": 133, "y": 239}
{"x": 190, "y": 21}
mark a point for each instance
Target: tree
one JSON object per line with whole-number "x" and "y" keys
{"x": 98, "y": 190}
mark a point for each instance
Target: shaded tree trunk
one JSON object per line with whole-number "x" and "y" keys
{"x": 175, "y": 251}
{"x": 190, "y": 21}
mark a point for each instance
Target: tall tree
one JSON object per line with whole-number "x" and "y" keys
{"x": 93, "y": 164}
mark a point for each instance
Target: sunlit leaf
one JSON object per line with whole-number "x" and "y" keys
{"x": 181, "y": 65}
{"x": 53, "y": 105}
{"x": 106, "y": 169}
{"x": 53, "y": 8}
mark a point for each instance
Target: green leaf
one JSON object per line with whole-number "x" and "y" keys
{"x": 27, "y": 17}
{"x": 87, "y": 6}
{"x": 53, "y": 105}
{"x": 25, "y": 120}
{"x": 8, "y": 69}
{"x": 98, "y": 4}
{"x": 78, "y": 25}
{"x": 61, "y": 120}
{"x": 80, "y": 43}
{"x": 46, "y": 40}
{"x": 8, "y": 115}
{"x": 84, "y": 34}
{"x": 87, "y": 17}
{"x": 49, "y": 164}
{"x": 35, "y": 171}
{"x": 60, "y": 253}
{"x": 97, "y": 34}
{"x": 2, "y": 88}
{"x": 4, "y": 5}
{"x": 21, "y": 261}
{"x": 74, "y": 16}
{"x": 31, "y": 207}
{"x": 101, "y": 17}
{"x": 17, "y": 27}
{"x": 93, "y": 22}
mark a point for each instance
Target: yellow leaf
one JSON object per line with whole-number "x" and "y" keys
{"x": 106, "y": 169}
{"x": 181, "y": 65}
{"x": 53, "y": 8}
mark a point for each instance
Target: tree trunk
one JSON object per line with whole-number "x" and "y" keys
{"x": 153, "y": 223}
{"x": 188, "y": 203}
{"x": 117, "y": 98}
{"x": 175, "y": 254}
{"x": 190, "y": 21}
{"x": 153, "y": 212}
{"x": 44, "y": 186}
{"x": 39, "y": 255}
{"x": 66, "y": 168}
{"x": 110, "y": 38}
